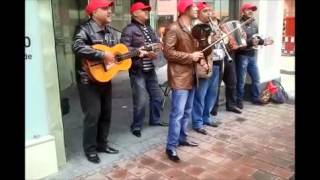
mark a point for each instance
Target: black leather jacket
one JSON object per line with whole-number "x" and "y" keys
{"x": 87, "y": 34}
{"x": 133, "y": 38}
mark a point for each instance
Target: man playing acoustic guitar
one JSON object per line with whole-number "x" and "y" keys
{"x": 143, "y": 77}
{"x": 95, "y": 97}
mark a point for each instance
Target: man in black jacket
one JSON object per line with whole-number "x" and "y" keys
{"x": 228, "y": 75}
{"x": 246, "y": 59}
{"x": 95, "y": 98}
{"x": 143, "y": 77}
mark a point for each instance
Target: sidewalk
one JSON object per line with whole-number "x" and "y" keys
{"x": 258, "y": 144}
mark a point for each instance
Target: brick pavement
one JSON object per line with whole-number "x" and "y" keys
{"x": 257, "y": 144}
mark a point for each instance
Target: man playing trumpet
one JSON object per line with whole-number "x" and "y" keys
{"x": 207, "y": 89}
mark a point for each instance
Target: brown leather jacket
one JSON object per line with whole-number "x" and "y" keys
{"x": 178, "y": 46}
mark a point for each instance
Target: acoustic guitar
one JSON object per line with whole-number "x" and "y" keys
{"x": 102, "y": 72}
{"x": 267, "y": 41}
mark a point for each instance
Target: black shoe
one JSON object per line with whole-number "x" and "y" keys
{"x": 93, "y": 157}
{"x": 189, "y": 143}
{"x": 108, "y": 150}
{"x": 172, "y": 155}
{"x": 214, "y": 113}
{"x": 234, "y": 109}
{"x": 212, "y": 124}
{"x": 201, "y": 131}
{"x": 160, "y": 124}
{"x": 136, "y": 133}
{"x": 240, "y": 104}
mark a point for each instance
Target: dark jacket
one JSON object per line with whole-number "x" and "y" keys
{"x": 87, "y": 34}
{"x": 250, "y": 29}
{"x": 178, "y": 47}
{"x": 133, "y": 38}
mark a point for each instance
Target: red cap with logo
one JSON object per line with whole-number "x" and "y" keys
{"x": 95, "y": 4}
{"x": 183, "y": 5}
{"x": 139, "y": 6}
{"x": 201, "y": 5}
{"x": 248, "y": 6}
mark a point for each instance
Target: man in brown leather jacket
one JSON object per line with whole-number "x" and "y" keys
{"x": 180, "y": 52}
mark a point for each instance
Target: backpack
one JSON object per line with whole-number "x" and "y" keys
{"x": 281, "y": 96}
{"x": 268, "y": 92}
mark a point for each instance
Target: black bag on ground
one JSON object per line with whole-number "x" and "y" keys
{"x": 281, "y": 96}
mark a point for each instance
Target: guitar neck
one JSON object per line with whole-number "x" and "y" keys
{"x": 126, "y": 55}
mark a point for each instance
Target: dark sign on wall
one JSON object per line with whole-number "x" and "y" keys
{"x": 27, "y": 44}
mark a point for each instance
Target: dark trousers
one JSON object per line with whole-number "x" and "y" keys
{"x": 96, "y": 106}
{"x": 143, "y": 83}
{"x": 230, "y": 80}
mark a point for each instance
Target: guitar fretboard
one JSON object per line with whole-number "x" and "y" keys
{"x": 126, "y": 56}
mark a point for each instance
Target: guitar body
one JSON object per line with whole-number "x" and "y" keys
{"x": 102, "y": 73}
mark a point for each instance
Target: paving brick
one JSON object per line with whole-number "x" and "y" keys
{"x": 154, "y": 176}
{"x": 132, "y": 177}
{"x": 244, "y": 177}
{"x": 207, "y": 176}
{"x": 242, "y": 150}
{"x": 269, "y": 158}
{"x": 139, "y": 171}
{"x": 261, "y": 175}
{"x": 255, "y": 163}
{"x": 154, "y": 153}
{"x": 232, "y": 155}
{"x": 159, "y": 166}
{"x": 224, "y": 173}
{"x": 284, "y": 173}
{"x": 194, "y": 171}
{"x": 215, "y": 158}
{"x": 185, "y": 155}
{"x": 146, "y": 160}
{"x": 127, "y": 164}
{"x": 197, "y": 161}
{"x": 118, "y": 173}
{"x": 174, "y": 173}
{"x": 245, "y": 170}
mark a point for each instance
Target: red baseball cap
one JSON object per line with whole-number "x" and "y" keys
{"x": 201, "y": 5}
{"x": 138, "y": 6}
{"x": 95, "y": 4}
{"x": 183, "y": 5}
{"x": 248, "y": 6}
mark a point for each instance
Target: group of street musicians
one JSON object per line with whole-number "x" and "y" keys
{"x": 200, "y": 53}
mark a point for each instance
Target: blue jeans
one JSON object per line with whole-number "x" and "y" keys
{"x": 141, "y": 84}
{"x": 204, "y": 99}
{"x": 244, "y": 64}
{"x": 180, "y": 113}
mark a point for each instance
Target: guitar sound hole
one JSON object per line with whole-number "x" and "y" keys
{"x": 117, "y": 57}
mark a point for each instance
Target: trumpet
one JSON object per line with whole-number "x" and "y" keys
{"x": 216, "y": 29}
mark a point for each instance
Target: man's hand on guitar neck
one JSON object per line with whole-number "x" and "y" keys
{"x": 108, "y": 58}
